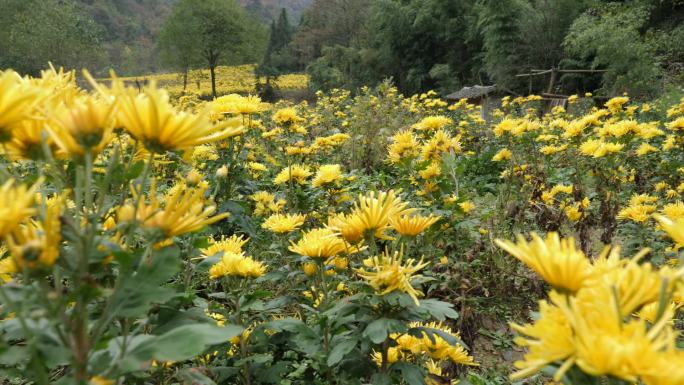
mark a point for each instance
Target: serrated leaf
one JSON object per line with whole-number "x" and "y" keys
{"x": 381, "y": 379}
{"x": 378, "y": 330}
{"x": 255, "y": 359}
{"x": 340, "y": 350}
{"x": 438, "y": 309}
{"x": 187, "y": 341}
{"x": 412, "y": 374}
{"x": 193, "y": 376}
{"x": 145, "y": 286}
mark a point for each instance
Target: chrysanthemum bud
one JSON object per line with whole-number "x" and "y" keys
{"x": 194, "y": 177}
{"x": 125, "y": 213}
{"x": 310, "y": 269}
{"x": 222, "y": 172}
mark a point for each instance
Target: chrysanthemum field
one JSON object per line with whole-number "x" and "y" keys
{"x": 354, "y": 239}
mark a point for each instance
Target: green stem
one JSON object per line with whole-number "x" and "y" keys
{"x": 41, "y": 374}
{"x": 143, "y": 180}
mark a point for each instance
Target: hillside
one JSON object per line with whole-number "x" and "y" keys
{"x": 268, "y": 9}
{"x": 129, "y": 29}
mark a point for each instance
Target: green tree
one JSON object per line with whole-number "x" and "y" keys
{"x": 35, "y": 32}
{"x": 278, "y": 58}
{"x": 328, "y": 23}
{"x": 424, "y": 44}
{"x": 500, "y": 30}
{"x": 610, "y": 37}
{"x": 221, "y": 30}
{"x": 179, "y": 49}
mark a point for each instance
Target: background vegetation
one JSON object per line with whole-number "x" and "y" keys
{"x": 419, "y": 44}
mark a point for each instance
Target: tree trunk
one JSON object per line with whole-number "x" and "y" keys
{"x": 212, "y": 71}
{"x": 185, "y": 80}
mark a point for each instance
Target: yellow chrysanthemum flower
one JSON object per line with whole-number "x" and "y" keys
{"x": 280, "y": 224}
{"x": 16, "y": 205}
{"x": 437, "y": 347}
{"x": 549, "y": 339}
{"x": 371, "y": 215}
{"x": 286, "y": 116}
{"x": 26, "y": 140}
{"x": 238, "y": 104}
{"x": 320, "y": 243}
{"x": 234, "y": 264}
{"x": 387, "y": 273}
{"x": 467, "y": 206}
{"x": 298, "y": 173}
{"x": 84, "y": 126}
{"x": 412, "y": 225}
{"x": 182, "y": 210}
{"x": 503, "y": 154}
{"x": 150, "y": 118}
{"x": 556, "y": 260}
{"x": 673, "y": 227}
{"x": 433, "y": 123}
{"x": 404, "y": 146}
{"x": 17, "y": 101}
{"x": 232, "y": 244}
{"x": 645, "y": 149}
{"x": 615, "y": 104}
{"x": 598, "y": 148}
{"x": 433, "y": 170}
{"x": 639, "y": 213}
{"x": 310, "y": 268}
{"x": 674, "y": 210}
{"x": 326, "y": 174}
{"x": 36, "y": 244}
{"x": 441, "y": 143}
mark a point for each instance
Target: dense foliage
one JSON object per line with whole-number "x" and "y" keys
{"x": 440, "y": 44}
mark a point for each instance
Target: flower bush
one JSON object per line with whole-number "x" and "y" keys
{"x": 148, "y": 240}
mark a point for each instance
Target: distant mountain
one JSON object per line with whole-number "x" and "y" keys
{"x": 267, "y": 10}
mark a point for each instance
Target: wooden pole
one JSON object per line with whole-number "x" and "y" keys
{"x": 552, "y": 80}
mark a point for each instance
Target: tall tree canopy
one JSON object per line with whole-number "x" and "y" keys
{"x": 446, "y": 44}
{"x": 219, "y": 31}
{"x": 35, "y": 32}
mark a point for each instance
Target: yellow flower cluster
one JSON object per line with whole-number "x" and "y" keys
{"x": 389, "y": 272}
{"x": 283, "y": 223}
{"x": 430, "y": 344}
{"x": 181, "y": 210}
{"x": 590, "y": 321}
{"x": 238, "y": 265}
{"x": 229, "y": 80}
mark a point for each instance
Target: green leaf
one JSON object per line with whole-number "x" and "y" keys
{"x": 13, "y": 355}
{"x": 288, "y": 324}
{"x": 438, "y": 309}
{"x": 190, "y": 340}
{"x": 412, "y": 374}
{"x": 381, "y": 379}
{"x": 145, "y": 286}
{"x": 431, "y": 332}
{"x": 180, "y": 343}
{"x": 208, "y": 262}
{"x": 195, "y": 377}
{"x": 340, "y": 350}
{"x": 135, "y": 170}
{"x": 378, "y": 330}
{"x": 303, "y": 338}
{"x": 255, "y": 359}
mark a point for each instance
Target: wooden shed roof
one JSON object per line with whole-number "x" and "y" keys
{"x": 475, "y": 91}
